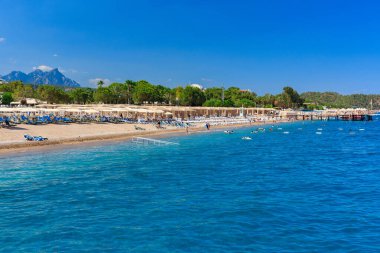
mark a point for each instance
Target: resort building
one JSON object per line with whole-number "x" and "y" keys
{"x": 27, "y": 102}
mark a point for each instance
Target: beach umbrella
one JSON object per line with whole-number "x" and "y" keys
{"x": 29, "y": 110}
{"x": 91, "y": 111}
{"x": 105, "y": 110}
{"x": 120, "y": 109}
{"x": 72, "y": 110}
{"x": 5, "y": 109}
{"x": 50, "y": 110}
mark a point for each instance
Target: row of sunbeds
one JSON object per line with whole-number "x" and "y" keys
{"x": 47, "y": 119}
{"x": 11, "y": 121}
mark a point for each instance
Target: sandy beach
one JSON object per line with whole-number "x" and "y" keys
{"x": 12, "y": 139}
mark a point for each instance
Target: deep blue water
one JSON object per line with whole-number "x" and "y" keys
{"x": 296, "y": 192}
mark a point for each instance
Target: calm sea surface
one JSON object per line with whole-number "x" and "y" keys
{"x": 296, "y": 192}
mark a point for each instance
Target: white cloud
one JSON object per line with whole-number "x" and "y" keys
{"x": 94, "y": 81}
{"x": 43, "y": 68}
{"x": 55, "y": 55}
{"x": 71, "y": 71}
{"x": 2, "y": 39}
{"x": 204, "y": 79}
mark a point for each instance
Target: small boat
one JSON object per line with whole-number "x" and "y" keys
{"x": 286, "y": 132}
{"x": 280, "y": 128}
{"x": 228, "y": 132}
{"x": 361, "y": 129}
{"x": 318, "y": 133}
{"x": 319, "y": 129}
{"x": 254, "y": 132}
{"x": 247, "y": 138}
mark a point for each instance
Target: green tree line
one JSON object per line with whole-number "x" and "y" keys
{"x": 143, "y": 92}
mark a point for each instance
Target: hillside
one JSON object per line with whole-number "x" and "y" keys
{"x": 333, "y": 99}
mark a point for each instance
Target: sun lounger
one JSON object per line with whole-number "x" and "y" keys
{"x": 139, "y": 128}
{"x": 34, "y": 138}
{"x": 6, "y": 123}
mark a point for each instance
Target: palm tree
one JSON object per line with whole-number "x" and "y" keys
{"x": 100, "y": 83}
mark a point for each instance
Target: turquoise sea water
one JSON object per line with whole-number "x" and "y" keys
{"x": 296, "y": 192}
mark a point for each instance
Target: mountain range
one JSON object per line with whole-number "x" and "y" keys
{"x": 52, "y": 77}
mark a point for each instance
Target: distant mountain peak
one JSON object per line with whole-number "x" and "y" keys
{"x": 41, "y": 76}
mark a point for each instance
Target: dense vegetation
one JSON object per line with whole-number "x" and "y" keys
{"x": 336, "y": 100}
{"x": 143, "y": 92}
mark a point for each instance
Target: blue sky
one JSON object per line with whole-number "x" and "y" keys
{"x": 260, "y": 45}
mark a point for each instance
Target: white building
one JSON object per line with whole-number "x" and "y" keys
{"x": 195, "y": 85}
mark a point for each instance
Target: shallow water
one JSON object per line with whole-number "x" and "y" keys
{"x": 295, "y": 192}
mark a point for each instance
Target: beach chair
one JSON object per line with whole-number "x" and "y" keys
{"x": 67, "y": 120}
{"x": 34, "y": 138}
{"x": 40, "y": 120}
{"x": 7, "y": 123}
{"x": 28, "y": 137}
{"x": 47, "y": 119}
{"x": 139, "y": 128}
{"x": 15, "y": 119}
{"x": 23, "y": 119}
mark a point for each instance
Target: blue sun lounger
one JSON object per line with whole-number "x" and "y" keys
{"x": 34, "y": 138}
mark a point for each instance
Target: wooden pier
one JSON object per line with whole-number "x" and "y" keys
{"x": 327, "y": 115}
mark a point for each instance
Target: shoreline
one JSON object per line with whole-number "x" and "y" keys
{"x": 22, "y": 147}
